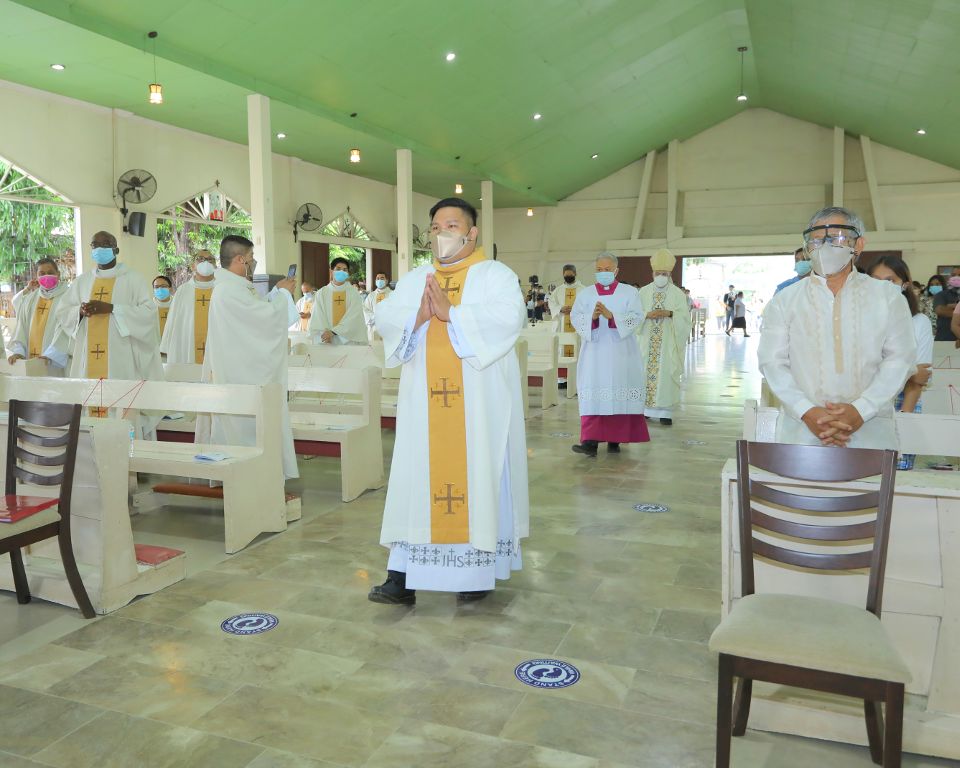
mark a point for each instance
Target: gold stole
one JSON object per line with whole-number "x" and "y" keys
{"x": 201, "y": 311}
{"x": 307, "y": 310}
{"x": 449, "y": 517}
{"x": 98, "y": 336}
{"x": 38, "y": 325}
{"x": 162, "y": 313}
{"x": 569, "y": 296}
{"x": 339, "y": 307}
{"x": 380, "y": 297}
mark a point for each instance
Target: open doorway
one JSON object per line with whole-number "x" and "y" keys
{"x": 708, "y": 278}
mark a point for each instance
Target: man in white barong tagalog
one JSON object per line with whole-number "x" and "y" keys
{"x": 457, "y": 501}
{"x": 337, "y": 315}
{"x": 610, "y": 370}
{"x": 184, "y": 339}
{"x": 663, "y": 338}
{"x": 37, "y": 330}
{"x": 247, "y": 344}
{"x": 380, "y": 293}
{"x": 110, "y": 315}
{"x": 837, "y": 347}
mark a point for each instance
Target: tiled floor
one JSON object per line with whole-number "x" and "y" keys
{"x": 630, "y": 598}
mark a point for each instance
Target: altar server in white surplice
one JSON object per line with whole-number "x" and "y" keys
{"x": 247, "y": 344}
{"x": 609, "y": 371}
{"x": 37, "y": 330}
{"x": 110, "y": 315}
{"x": 380, "y": 293}
{"x": 663, "y": 338}
{"x": 457, "y": 503}
{"x": 837, "y": 347}
{"x": 337, "y": 316}
{"x": 185, "y": 336}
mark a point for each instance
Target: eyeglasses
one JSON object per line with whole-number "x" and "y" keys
{"x": 842, "y": 235}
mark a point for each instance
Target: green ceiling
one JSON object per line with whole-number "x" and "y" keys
{"x": 614, "y": 77}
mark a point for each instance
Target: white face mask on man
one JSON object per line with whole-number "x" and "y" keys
{"x": 660, "y": 281}
{"x": 828, "y": 259}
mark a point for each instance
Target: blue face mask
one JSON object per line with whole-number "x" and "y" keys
{"x": 935, "y": 289}
{"x": 605, "y": 278}
{"x": 162, "y": 294}
{"x": 802, "y": 268}
{"x": 103, "y": 255}
{"x": 381, "y": 284}
{"x": 341, "y": 275}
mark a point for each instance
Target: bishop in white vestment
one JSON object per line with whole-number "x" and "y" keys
{"x": 663, "y": 338}
{"x": 837, "y": 347}
{"x": 247, "y": 344}
{"x": 184, "y": 339}
{"x": 337, "y": 316}
{"x": 457, "y": 502}
{"x": 37, "y": 330}
{"x": 609, "y": 370}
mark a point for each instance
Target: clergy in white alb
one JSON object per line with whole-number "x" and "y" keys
{"x": 110, "y": 316}
{"x": 380, "y": 292}
{"x": 304, "y": 306}
{"x": 37, "y": 330}
{"x": 609, "y": 370}
{"x": 837, "y": 347}
{"x": 247, "y": 344}
{"x": 457, "y": 502}
{"x": 185, "y": 336}
{"x": 337, "y": 316}
{"x": 562, "y": 297}
{"x": 163, "y": 300}
{"x": 663, "y": 338}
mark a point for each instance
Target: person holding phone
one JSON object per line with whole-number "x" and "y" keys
{"x": 337, "y": 316}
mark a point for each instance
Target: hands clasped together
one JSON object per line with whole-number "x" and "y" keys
{"x": 834, "y": 423}
{"x": 600, "y": 310}
{"x": 433, "y": 303}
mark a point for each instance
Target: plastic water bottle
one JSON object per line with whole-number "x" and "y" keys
{"x": 133, "y": 436}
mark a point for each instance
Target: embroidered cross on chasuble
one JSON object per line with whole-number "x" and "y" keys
{"x": 201, "y": 313}
{"x": 339, "y": 299}
{"x": 163, "y": 313}
{"x": 38, "y": 326}
{"x": 98, "y": 336}
{"x": 449, "y": 497}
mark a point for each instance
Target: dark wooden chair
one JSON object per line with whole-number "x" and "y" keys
{"x": 810, "y": 642}
{"x": 36, "y": 518}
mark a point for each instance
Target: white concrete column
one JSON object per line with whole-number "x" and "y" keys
{"x": 404, "y": 211}
{"x": 369, "y": 267}
{"x": 486, "y": 217}
{"x": 259, "y": 143}
{"x": 838, "y": 141}
{"x": 140, "y": 253}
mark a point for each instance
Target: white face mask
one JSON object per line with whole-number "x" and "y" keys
{"x": 446, "y": 246}
{"x": 205, "y": 269}
{"x": 829, "y": 259}
{"x": 660, "y": 281}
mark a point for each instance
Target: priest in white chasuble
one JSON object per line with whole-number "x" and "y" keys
{"x": 380, "y": 292}
{"x": 37, "y": 330}
{"x": 457, "y": 502}
{"x": 185, "y": 336}
{"x": 247, "y": 344}
{"x": 561, "y": 302}
{"x": 163, "y": 298}
{"x": 663, "y": 338}
{"x": 609, "y": 369}
{"x": 304, "y": 306}
{"x": 110, "y": 315}
{"x": 337, "y": 316}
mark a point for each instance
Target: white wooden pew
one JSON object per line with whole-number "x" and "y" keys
{"x": 8, "y": 327}
{"x": 942, "y": 394}
{"x": 542, "y": 364}
{"x": 350, "y": 433}
{"x": 252, "y": 476}
{"x": 103, "y": 545}
{"x": 569, "y": 355}
{"x": 32, "y": 367}
{"x": 921, "y": 607}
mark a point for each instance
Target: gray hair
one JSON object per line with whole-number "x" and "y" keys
{"x": 608, "y": 255}
{"x": 849, "y": 216}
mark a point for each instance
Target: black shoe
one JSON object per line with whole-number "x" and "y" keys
{"x": 746, "y": 335}
{"x": 472, "y": 597}
{"x": 587, "y": 448}
{"x": 613, "y": 447}
{"x": 393, "y": 591}
{"x": 667, "y": 422}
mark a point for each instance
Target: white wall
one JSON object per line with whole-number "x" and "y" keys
{"x": 745, "y": 186}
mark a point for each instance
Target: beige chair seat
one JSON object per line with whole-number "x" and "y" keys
{"x": 810, "y": 632}
{"x": 30, "y": 523}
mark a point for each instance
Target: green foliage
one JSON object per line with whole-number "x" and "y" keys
{"x": 357, "y": 258}
{"x": 178, "y": 241}
{"x": 421, "y": 257}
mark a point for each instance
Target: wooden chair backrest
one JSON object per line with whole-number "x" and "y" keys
{"x": 817, "y": 465}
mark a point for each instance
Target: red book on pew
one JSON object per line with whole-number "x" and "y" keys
{"x": 14, "y": 508}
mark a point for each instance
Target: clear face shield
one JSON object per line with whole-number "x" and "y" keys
{"x": 830, "y": 247}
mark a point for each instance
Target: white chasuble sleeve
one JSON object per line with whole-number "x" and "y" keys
{"x": 177, "y": 340}
{"x": 135, "y": 318}
{"x": 320, "y": 314}
{"x": 394, "y": 319}
{"x": 283, "y": 296}
{"x": 352, "y": 328}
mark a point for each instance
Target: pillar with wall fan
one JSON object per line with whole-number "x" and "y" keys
{"x": 135, "y": 188}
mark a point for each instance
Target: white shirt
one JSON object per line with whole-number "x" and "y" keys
{"x": 856, "y": 347}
